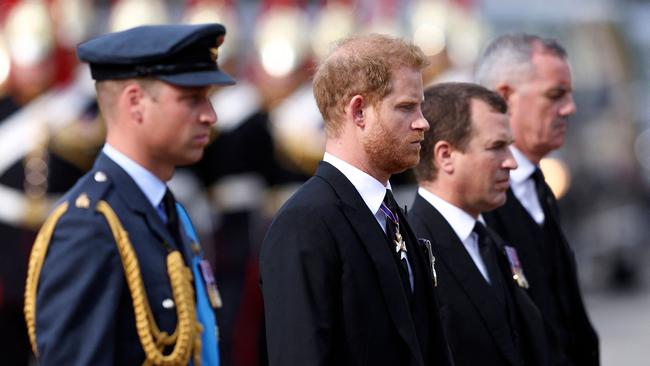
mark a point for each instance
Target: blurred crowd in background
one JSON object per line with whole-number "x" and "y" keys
{"x": 269, "y": 135}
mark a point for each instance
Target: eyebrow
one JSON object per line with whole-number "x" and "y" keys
{"x": 563, "y": 88}
{"x": 500, "y": 140}
{"x": 409, "y": 99}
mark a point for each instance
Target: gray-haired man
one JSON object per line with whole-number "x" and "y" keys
{"x": 533, "y": 75}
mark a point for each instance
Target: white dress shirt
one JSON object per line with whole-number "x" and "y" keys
{"x": 462, "y": 224}
{"x": 370, "y": 189}
{"x": 523, "y": 185}
{"x": 152, "y": 187}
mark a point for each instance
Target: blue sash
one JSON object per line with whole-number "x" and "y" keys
{"x": 204, "y": 311}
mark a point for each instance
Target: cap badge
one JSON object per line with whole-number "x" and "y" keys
{"x": 214, "y": 51}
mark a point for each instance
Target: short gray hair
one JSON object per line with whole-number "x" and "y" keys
{"x": 509, "y": 56}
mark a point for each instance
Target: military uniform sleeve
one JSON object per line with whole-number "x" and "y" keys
{"x": 79, "y": 293}
{"x": 300, "y": 275}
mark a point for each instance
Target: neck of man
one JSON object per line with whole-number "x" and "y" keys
{"x": 164, "y": 172}
{"x": 447, "y": 193}
{"x": 534, "y": 156}
{"x": 354, "y": 155}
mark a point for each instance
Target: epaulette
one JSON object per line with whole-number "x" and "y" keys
{"x": 90, "y": 190}
{"x": 86, "y": 194}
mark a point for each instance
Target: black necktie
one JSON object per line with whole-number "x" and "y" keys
{"x": 393, "y": 233}
{"x": 551, "y": 226}
{"x": 488, "y": 251}
{"x": 169, "y": 204}
{"x": 544, "y": 194}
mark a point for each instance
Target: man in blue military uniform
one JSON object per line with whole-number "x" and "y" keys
{"x": 116, "y": 276}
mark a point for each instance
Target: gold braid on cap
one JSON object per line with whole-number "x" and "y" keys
{"x": 186, "y": 339}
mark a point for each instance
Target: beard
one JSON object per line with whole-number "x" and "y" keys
{"x": 389, "y": 153}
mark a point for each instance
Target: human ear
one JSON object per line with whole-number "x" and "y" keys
{"x": 355, "y": 108}
{"x": 132, "y": 97}
{"x": 505, "y": 91}
{"x": 443, "y": 155}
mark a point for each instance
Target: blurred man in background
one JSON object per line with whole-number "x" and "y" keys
{"x": 534, "y": 77}
{"x": 42, "y": 150}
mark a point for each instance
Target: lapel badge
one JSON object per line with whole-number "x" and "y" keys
{"x": 432, "y": 260}
{"x": 516, "y": 267}
{"x": 433, "y": 270}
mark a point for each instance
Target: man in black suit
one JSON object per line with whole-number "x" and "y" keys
{"x": 343, "y": 278}
{"x": 463, "y": 171}
{"x": 534, "y": 77}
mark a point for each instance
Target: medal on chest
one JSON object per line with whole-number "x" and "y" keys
{"x": 516, "y": 267}
{"x": 210, "y": 284}
{"x": 400, "y": 244}
{"x": 398, "y": 240}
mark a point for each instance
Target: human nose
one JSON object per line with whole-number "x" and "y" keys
{"x": 208, "y": 115}
{"x": 509, "y": 163}
{"x": 569, "y": 108}
{"x": 421, "y": 123}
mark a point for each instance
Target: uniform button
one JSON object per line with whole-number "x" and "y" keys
{"x": 100, "y": 177}
{"x": 168, "y": 303}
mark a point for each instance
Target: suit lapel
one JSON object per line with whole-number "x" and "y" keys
{"x": 373, "y": 239}
{"x": 561, "y": 252}
{"x": 522, "y": 227}
{"x": 134, "y": 198}
{"x": 416, "y": 259}
{"x": 529, "y": 318}
{"x": 452, "y": 253}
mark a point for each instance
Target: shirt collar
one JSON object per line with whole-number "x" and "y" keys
{"x": 152, "y": 187}
{"x": 524, "y": 167}
{"x": 460, "y": 221}
{"x": 371, "y": 190}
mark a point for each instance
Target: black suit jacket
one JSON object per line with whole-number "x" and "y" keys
{"x": 562, "y": 295}
{"x": 475, "y": 320}
{"x": 332, "y": 290}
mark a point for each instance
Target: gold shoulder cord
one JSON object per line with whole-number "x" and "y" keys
{"x": 36, "y": 259}
{"x": 186, "y": 338}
